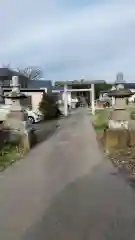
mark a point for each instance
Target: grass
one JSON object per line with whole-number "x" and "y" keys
{"x": 9, "y": 154}
{"x": 100, "y": 119}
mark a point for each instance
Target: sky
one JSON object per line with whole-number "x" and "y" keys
{"x": 69, "y": 39}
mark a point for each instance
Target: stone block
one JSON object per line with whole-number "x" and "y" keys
{"x": 24, "y": 143}
{"x": 18, "y": 115}
{"x": 132, "y": 138}
{"x": 115, "y": 139}
{"x": 118, "y": 124}
{"x": 16, "y": 125}
{"x": 131, "y": 125}
{"x": 28, "y": 140}
{"x": 32, "y": 138}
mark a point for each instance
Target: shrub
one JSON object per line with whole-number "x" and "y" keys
{"x": 48, "y": 107}
{"x": 100, "y": 120}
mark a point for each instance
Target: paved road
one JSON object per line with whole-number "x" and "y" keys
{"x": 45, "y": 129}
{"x": 64, "y": 190}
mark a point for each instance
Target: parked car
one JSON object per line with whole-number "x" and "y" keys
{"x": 39, "y": 113}
{"x": 106, "y": 103}
{"x": 33, "y": 116}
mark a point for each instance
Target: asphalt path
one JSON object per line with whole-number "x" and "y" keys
{"x": 65, "y": 190}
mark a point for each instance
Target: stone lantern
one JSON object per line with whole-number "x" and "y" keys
{"x": 17, "y": 111}
{"x": 17, "y": 118}
{"x": 120, "y": 114}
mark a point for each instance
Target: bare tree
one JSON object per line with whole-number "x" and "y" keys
{"x": 32, "y": 72}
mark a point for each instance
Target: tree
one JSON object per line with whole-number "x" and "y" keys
{"x": 101, "y": 87}
{"x": 60, "y": 83}
{"x": 32, "y": 72}
{"x": 48, "y": 107}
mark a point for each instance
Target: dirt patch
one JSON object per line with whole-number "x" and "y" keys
{"x": 124, "y": 159}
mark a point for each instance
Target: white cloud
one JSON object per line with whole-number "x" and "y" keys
{"x": 94, "y": 40}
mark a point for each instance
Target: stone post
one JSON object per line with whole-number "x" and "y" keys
{"x": 92, "y": 92}
{"x": 113, "y": 101}
{"x": 1, "y": 95}
{"x": 15, "y": 83}
{"x": 65, "y": 100}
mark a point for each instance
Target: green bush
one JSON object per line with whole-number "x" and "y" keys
{"x": 9, "y": 154}
{"x": 48, "y": 107}
{"x": 100, "y": 120}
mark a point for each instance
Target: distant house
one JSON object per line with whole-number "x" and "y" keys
{"x": 33, "y": 99}
{"x": 6, "y": 75}
{"x": 118, "y": 84}
{"x": 33, "y": 89}
{"x": 58, "y": 93}
{"x": 41, "y": 84}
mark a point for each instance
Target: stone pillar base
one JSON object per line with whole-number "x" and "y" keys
{"x": 28, "y": 140}
{"x": 118, "y": 124}
{"x": 132, "y": 138}
{"x": 115, "y": 139}
{"x": 24, "y": 143}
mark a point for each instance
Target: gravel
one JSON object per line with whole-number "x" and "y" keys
{"x": 124, "y": 159}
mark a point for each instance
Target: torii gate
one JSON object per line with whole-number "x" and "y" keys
{"x": 92, "y": 97}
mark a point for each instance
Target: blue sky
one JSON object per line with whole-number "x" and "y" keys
{"x": 69, "y": 39}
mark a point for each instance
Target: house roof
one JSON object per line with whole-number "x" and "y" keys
{"x": 120, "y": 81}
{"x": 78, "y": 82}
{"x": 129, "y": 85}
{"x": 60, "y": 88}
{"x": 7, "y": 72}
{"x": 8, "y": 89}
{"x": 126, "y": 86}
{"x": 40, "y": 84}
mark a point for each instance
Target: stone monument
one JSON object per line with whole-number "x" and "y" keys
{"x": 118, "y": 135}
{"x": 120, "y": 114}
{"x": 17, "y": 118}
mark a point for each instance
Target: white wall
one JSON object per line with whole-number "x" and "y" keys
{"x": 35, "y": 98}
{"x": 45, "y": 89}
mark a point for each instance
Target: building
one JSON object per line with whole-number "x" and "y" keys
{"x": 41, "y": 84}
{"x": 104, "y": 94}
{"x": 58, "y": 94}
{"x": 6, "y": 75}
{"x": 34, "y": 90}
{"x": 33, "y": 99}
